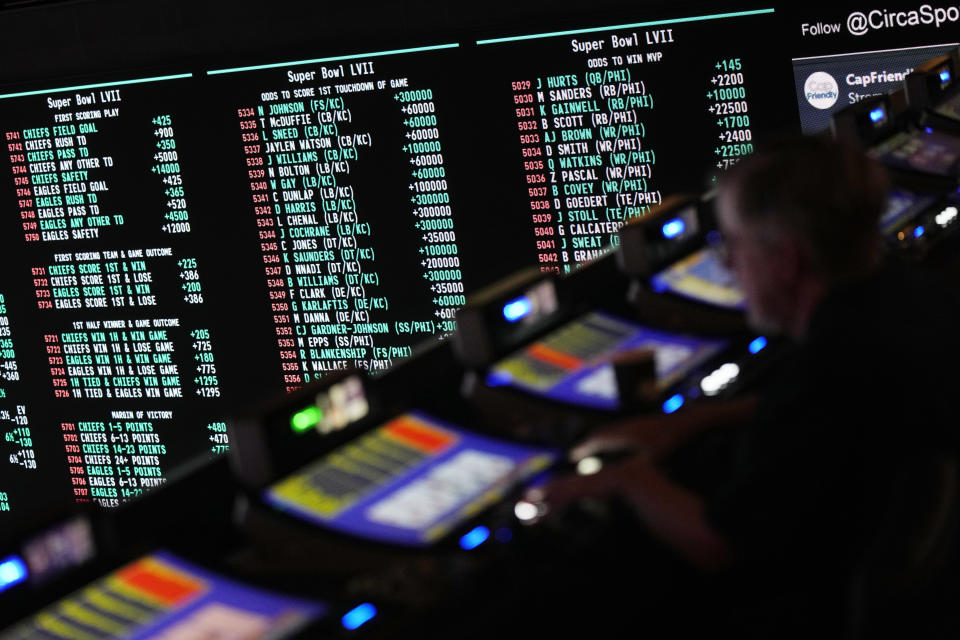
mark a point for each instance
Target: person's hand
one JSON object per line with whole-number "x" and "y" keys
{"x": 644, "y": 435}
{"x": 669, "y": 511}
{"x": 555, "y": 497}
{"x": 656, "y": 435}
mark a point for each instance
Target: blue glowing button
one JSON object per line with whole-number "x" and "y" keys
{"x": 673, "y": 228}
{"x": 757, "y": 344}
{"x": 499, "y": 379}
{"x": 358, "y": 616}
{"x": 474, "y": 538}
{"x": 13, "y": 571}
{"x": 673, "y": 403}
{"x": 517, "y": 309}
{"x": 945, "y": 76}
{"x": 878, "y": 114}
{"x": 918, "y": 231}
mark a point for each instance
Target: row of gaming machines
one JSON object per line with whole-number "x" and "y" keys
{"x": 379, "y": 506}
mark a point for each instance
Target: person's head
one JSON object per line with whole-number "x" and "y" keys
{"x": 797, "y": 219}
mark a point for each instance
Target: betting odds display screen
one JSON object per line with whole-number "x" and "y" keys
{"x": 928, "y": 152}
{"x": 902, "y": 206}
{"x": 409, "y": 481}
{"x": 701, "y": 276}
{"x": 111, "y": 372}
{"x": 352, "y": 197}
{"x": 160, "y": 595}
{"x": 573, "y": 364}
{"x": 181, "y": 242}
{"x": 597, "y": 125}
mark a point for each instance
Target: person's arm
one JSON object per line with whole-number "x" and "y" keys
{"x": 675, "y": 515}
{"x": 672, "y": 513}
{"x": 657, "y": 436}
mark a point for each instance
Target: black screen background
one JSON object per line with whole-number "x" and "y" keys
{"x": 77, "y": 43}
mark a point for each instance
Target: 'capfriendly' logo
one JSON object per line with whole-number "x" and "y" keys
{"x": 821, "y": 90}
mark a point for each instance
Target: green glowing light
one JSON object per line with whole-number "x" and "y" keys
{"x": 306, "y": 419}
